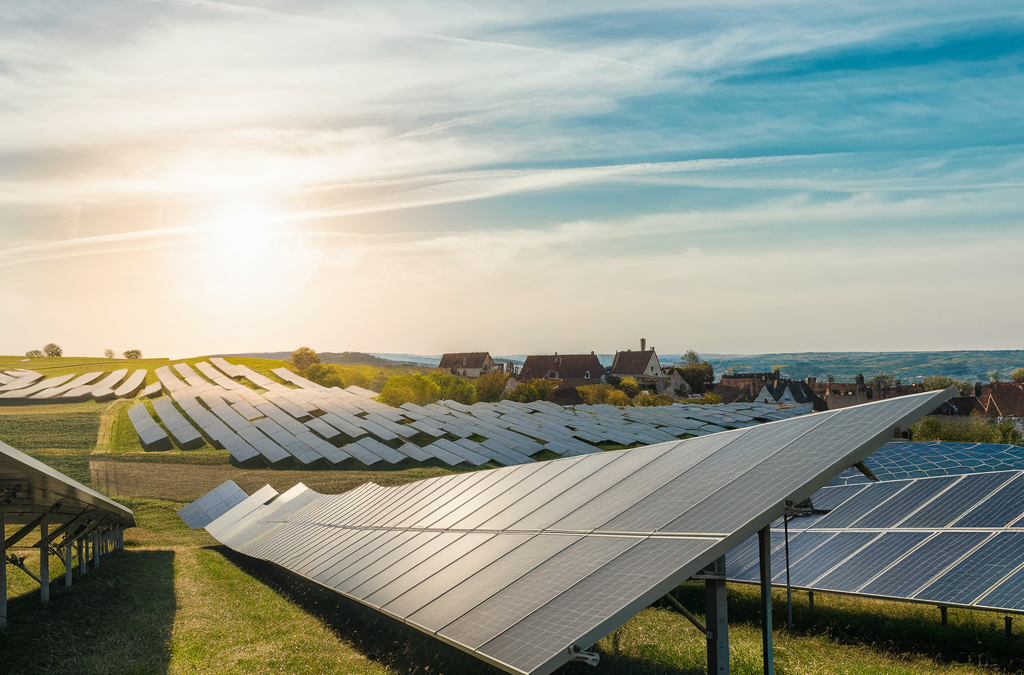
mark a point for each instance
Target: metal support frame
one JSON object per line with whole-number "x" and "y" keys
{"x": 789, "y": 586}
{"x": 44, "y": 563}
{"x": 1009, "y": 625}
{"x": 810, "y": 602}
{"x": 942, "y": 614}
{"x": 764, "y": 541}
{"x": 3, "y": 574}
{"x": 717, "y": 617}
{"x": 95, "y": 550}
{"x": 68, "y": 566}
{"x": 689, "y": 616}
{"x": 81, "y": 555}
{"x": 20, "y": 534}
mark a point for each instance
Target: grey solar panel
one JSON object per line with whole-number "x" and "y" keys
{"x": 857, "y": 506}
{"x": 1009, "y": 594}
{"x": 840, "y": 547}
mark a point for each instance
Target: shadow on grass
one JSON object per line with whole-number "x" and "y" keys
{"x": 896, "y": 629}
{"x": 114, "y": 619}
{"x": 392, "y": 643}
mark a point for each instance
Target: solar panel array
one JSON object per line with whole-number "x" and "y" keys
{"x": 18, "y": 386}
{"x": 212, "y": 505}
{"x": 910, "y": 459}
{"x": 949, "y": 540}
{"x": 312, "y": 422}
{"x": 519, "y": 565}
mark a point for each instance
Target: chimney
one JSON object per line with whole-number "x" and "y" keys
{"x": 643, "y": 344}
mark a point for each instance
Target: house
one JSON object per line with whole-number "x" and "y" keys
{"x": 563, "y": 367}
{"x": 468, "y": 364}
{"x": 643, "y": 363}
{"x": 743, "y": 387}
{"x": 790, "y": 392}
{"x": 1001, "y": 399}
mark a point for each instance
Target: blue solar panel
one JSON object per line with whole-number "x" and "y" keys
{"x": 957, "y": 500}
{"x": 999, "y": 510}
{"x": 906, "y": 502}
{"x": 1007, "y": 595}
{"x": 857, "y": 506}
{"x": 909, "y": 459}
{"x": 800, "y": 546}
{"x": 842, "y": 546}
{"x": 914, "y": 571}
{"x": 974, "y": 575}
{"x": 831, "y": 497}
{"x": 869, "y": 561}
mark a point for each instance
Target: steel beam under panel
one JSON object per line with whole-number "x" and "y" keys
{"x": 764, "y": 542}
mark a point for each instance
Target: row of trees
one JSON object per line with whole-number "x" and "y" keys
{"x": 966, "y": 430}
{"x": 53, "y": 350}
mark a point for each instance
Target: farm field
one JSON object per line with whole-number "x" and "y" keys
{"x": 175, "y": 601}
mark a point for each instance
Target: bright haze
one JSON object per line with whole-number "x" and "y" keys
{"x": 205, "y": 177}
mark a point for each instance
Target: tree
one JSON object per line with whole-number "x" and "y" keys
{"x": 995, "y": 376}
{"x": 859, "y": 379}
{"x": 415, "y": 388}
{"x": 935, "y": 382}
{"x": 53, "y": 350}
{"x": 303, "y": 358}
{"x": 697, "y": 373}
{"x": 490, "y": 385}
{"x": 133, "y": 354}
{"x": 883, "y": 382}
{"x": 617, "y": 397}
{"x": 34, "y": 354}
{"x": 108, "y": 353}
{"x": 1018, "y": 375}
{"x": 831, "y": 379}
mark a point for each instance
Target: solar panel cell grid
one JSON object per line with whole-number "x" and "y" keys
{"x": 998, "y": 510}
{"x": 859, "y": 568}
{"x": 975, "y": 575}
{"x": 925, "y": 562}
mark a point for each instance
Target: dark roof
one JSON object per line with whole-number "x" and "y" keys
{"x": 801, "y": 391}
{"x": 1001, "y": 399}
{"x": 473, "y": 360}
{"x": 564, "y": 367}
{"x": 631, "y": 363}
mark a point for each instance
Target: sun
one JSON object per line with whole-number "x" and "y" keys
{"x": 246, "y": 232}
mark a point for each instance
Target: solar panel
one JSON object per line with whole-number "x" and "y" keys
{"x": 616, "y": 541}
{"x": 867, "y": 563}
{"x": 959, "y": 499}
{"x": 901, "y": 505}
{"x": 998, "y": 510}
{"x": 975, "y": 574}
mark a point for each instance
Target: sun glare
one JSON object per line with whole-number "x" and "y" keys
{"x": 246, "y": 233}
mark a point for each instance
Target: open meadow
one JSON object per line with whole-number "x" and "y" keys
{"x": 176, "y": 601}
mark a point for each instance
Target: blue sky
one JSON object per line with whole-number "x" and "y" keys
{"x": 193, "y": 177}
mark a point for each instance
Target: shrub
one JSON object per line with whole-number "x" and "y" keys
{"x": 645, "y": 399}
{"x": 53, "y": 350}
{"x": 303, "y": 358}
{"x": 108, "y": 353}
{"x": 454, "y": 388}
{"x": 966, "y": 430}
{"x": 533, "y": 390}
{"x": 133, "y": 354}
{"x": 617, "y": 397}
{"x": 34, "y": 354}
{"x": 629, "y": 386}
{"x": 414, "y": 388}
{"x": 490, "y": 385}
{"x": 595, "y": 394}
{"x": 696, "y": 372}
{"x": 1018, "y": 375}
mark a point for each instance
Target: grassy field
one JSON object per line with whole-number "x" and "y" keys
{"x": 177, "y": 602}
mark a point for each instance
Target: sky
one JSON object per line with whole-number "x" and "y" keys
{"x": 193, "y": 177}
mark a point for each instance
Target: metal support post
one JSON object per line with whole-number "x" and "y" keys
{"x": 717, "y": 618}
{"x": 942, "y": 613}
{"x": 789, "y": 587}
{"x": 44, "y": 563}
{"x": 3, "y": 575}
{"x": 764, "y": 540}
{"x": 82, "y": 567}
{"x": 68, "y": 565}
{"x": 95, "y": 550}
{"x": 1009, "y": 625}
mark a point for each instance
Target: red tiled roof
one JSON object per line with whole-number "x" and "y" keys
{"x": 473, "y": 360}
{"x": 632, "y": 363}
